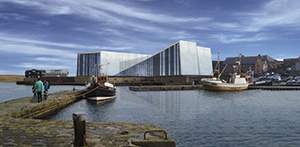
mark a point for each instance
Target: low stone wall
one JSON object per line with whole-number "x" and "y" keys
{"x": 165, "y": 80}
{"x": 17, "y": 128}
{"x": 165, "y": 87}
{"x": 36, "y": 132}
{"x": 44, "y": 109}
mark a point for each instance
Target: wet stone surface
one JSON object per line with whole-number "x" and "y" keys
{"x": 19, "y": 131}
{"x": 17, "y": 105}
{"x": 34, "y": 132}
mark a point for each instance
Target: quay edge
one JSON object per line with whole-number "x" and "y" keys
{"x": 37, "y": 132}
{"x": 120, "y": 80}
{"x": 19, "y": 126}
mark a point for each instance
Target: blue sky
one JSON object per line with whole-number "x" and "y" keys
{"x": 39, "y": 34}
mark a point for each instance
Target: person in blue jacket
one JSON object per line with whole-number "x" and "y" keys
{"x": 39, "y": 88}
{"x": 46, "y": 87}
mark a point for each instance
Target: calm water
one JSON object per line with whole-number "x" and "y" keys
{"x": 195, "y": 118}
{"x": 202, "y": 118}
{"x": 10, "y": 90}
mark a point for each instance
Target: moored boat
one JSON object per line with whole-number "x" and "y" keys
{"x": 214, "y": 84}
{"x": 237, "y": 81}
{"x": 102, "y": 90}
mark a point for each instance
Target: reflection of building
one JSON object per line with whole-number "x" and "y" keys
{"x": 180, "y": 58}
{"x": 46, "y": 73}
{"x": 258, "y": 64}
{"x": 34, "y": 73}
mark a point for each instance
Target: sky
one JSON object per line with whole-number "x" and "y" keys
{"x": 40, "y": 34}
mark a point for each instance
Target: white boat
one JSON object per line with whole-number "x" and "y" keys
{"x": 101, "y": 98}
{"x": 237, "y": 82}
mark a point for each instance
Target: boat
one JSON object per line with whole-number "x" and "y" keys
{"x": 237, "y": 82}
{"x": 214, "y": 84}
{"x": 101, "y": 90}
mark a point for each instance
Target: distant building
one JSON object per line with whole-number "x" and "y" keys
{"x": 180, "y": 58}
{"x": 257, "y": 64}
{"x": 46, "y": 73}
{"x": 291, "y": 66}
{"x": 291, "y": 63}
{"x": 34, "y": 73}
{"x": 56, "y": 73}
{"x": 272, "y": 64}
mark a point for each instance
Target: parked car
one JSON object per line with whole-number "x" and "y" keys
{"x": 290, "y": 80}
{"x": 297, "y": 79}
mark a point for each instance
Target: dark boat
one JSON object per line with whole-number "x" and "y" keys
{"x": 102, "y": 90}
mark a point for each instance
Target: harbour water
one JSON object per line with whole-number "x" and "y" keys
{"x": 203, "y": 118}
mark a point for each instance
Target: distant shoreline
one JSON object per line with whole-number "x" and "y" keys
{"x": 11, "y": 78}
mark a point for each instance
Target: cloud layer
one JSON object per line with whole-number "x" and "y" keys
{"x": 51, "y": 33}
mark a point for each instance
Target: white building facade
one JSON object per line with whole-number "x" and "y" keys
{"x": 108, "y": 63}
{"x": 180, "y": 58}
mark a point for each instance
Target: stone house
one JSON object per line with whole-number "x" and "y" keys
{"x": 291, "y": 66}
{"x": 258, "y": 65}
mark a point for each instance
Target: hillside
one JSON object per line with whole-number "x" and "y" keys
{"x": 11, "y": 78}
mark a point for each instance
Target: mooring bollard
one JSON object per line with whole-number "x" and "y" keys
{"x": 79, "y": 129}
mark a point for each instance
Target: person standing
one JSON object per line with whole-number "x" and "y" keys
{"x": 46, "y": 87}
{"x": 34, "y": 90}
{"x": 39, "y": 88}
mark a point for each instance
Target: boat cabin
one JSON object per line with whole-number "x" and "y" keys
{"x": 102, "y": 80}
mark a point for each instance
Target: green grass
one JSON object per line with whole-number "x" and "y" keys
{"x": 11, "y": 78}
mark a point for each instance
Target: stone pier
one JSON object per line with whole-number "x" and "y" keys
{"x": 22, "y": 123}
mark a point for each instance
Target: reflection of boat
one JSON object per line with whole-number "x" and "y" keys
{"x": 102, "y": 90}
{"x": 237, "y": 82}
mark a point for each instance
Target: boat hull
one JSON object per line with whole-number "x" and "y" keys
{"x": 101, "y": 91}
{"x": 102, "y": 98}
{"x": 213, "y": 85}
{"x": 224, "y": 88}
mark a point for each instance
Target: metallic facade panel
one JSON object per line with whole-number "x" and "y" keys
{"x": 205, "y": 64}
{"x": 188, "y": 56}
{"x": 180, "y": 58}
{"x": 156, "y": 65}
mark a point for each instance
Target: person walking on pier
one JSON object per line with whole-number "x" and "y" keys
{"x": 39, "y": 88}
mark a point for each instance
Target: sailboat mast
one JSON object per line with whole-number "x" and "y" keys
{"x": 240, "y": 68}
{"x": 218, "y": 65}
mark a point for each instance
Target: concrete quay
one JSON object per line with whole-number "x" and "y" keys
{"x": 19, "y": 126}
{"x": 164, "y": 87}
{"x": 36, "y": 132}
{"x": 28, "y": 107}
{"x": 275, "y": 87}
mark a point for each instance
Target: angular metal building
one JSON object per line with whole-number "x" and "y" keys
{"x": 180, "y": 58}
{"x": 103, "y": 62}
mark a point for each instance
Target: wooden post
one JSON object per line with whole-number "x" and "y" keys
{"x": 79, "y": 129}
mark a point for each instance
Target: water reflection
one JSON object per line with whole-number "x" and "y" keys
{"x": 205, "y": 118}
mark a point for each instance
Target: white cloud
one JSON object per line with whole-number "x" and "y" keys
{"x": 41, "y": 66}
{"x": 3, "y": 72}
{"x": 232, "y": 38}
{"x": 109, "y": 12}
{"x": 35, "y": 50}
{"x": 275, "y": 13}
{"x": 20, "y": 40}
